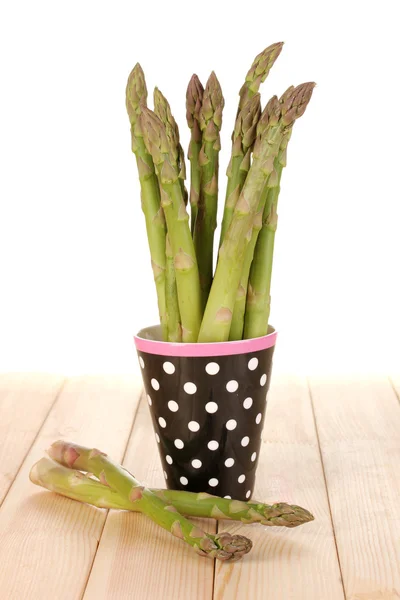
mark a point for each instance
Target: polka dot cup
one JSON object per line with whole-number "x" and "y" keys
{"x": 207, "y": 403}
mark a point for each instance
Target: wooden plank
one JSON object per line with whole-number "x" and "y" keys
{"x": 47, "y": 543}
{"x": 25, "y": 400}
{"x": 395, "y": 381}
{"x": 359, "y": 430}
{"x": 136, "y": 558}
{"x": 287, "y": 563}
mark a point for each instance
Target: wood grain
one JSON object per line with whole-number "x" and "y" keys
{"x": 359, "y": 430}
{"x": 47, "y": 543}
{"x": 136, "y": 558}
{"x": 25, "y": 400}
{"x": 287, "y": 563}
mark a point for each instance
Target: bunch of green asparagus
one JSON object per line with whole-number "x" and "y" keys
{"x": 195, "y": 303}
{"x": 90, "y": 476}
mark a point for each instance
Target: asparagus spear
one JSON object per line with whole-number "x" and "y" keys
{"x": 161, "y": 148}
{"x": 222, "y": 546}
{"x": 238, "y": 317}
{"x": 163, "y": 111}
{"x": 243, "y": 138}
{"x": 81, "y": 487}
{"x": 217, "y": 318}
{"x": 258, "y": 72}
{"x": 258, "y": 294}
{"x": 171, "y": 298}
{"x": 194, "y": 99}
{"x": 237, "y": 325}
{"x": 210, "y": 119}
{"x": 136, "y": 96}
{"x": 271, "y": 129}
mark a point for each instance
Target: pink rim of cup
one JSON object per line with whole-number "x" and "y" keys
{"x": 153, "y": 346}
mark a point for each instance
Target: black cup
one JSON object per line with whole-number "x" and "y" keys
{"x": 207, "y": 403}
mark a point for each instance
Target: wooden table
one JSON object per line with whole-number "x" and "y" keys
{"x": 331, "y": 446}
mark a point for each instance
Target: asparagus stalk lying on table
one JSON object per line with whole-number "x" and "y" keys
{"x": 136, "y": 96}
{"x": 243, "y": 136}
{"x": 216, "y": 323}
{"x": 110, "y": 474}
{"x": 162, "y": 149}
{"x": 82, "y": 487}
{"x": 210, "y": 119}
{"x": 194, "y": 99}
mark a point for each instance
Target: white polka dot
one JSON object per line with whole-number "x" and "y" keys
{"x": 162, "y": 421}
{"x": 154, "y": 384}
{"x": 248, "y": 403}
{"x": 253, "y": 363}
{"x": 168, "y": 368}
{"x": 213, "y": 482}
{"x": 196, "y": 463}
{"x": 165, "y": 475}
{"x": 211, "y": 407}
{"x": 248, "y": 494}
{"x": 231, "y": 424}
{"x": 241, "y": 478}
{"x": 194, "y": 426}
{"x": 184, "y": 480}
{"x": 169, "y": 459}
{"x": 149, "y": 400}
{"x": 229, "y": 462}
{"x": 173, "y": 406}
{"x": 179, "y": 444}
{"x": 212, "y": 368}
{"x": 213, "y": 445}
{"x": 232, "y": 385}
{"x": 157, "y": 438}
{"x": 190, "y": 388}
{"x": 263, "y": 380}
{"x": 245, "y": 441}
{"x": 229, "y": 497}
{"x": 253, "y": 456}
{"x": 258, "y": 418}
{"x": 141, "y": 362}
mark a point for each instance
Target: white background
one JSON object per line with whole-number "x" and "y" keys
{"x": 75, "y": 276}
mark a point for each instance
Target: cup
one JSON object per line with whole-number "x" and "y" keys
{"x": 208, "y": 404}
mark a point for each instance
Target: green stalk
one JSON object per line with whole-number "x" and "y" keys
{"x": 217, "y": 318}
{"x": 206, "y": 220}
{"x": 258, "y": 295}
{"x": 222, "y": 546}
{"x": 171, "y": 296}
{"x": 161, "y": 148}
{"x": 264, "y": 208}
{"x": 83, "y": 488}
{"x": 136, "y": 95}
{"x": 258, "y": 303}
{"x": 208, "y": 506}
{"x": 272, "y": 127}
{"x": 258, "y": 72}
{"x": 194, "y": 99}
{"x": 163, "y": 111}
{"x": 243, "y": 138}
{"x": 243, "y": 135}
{"x": 237, "y": 325}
